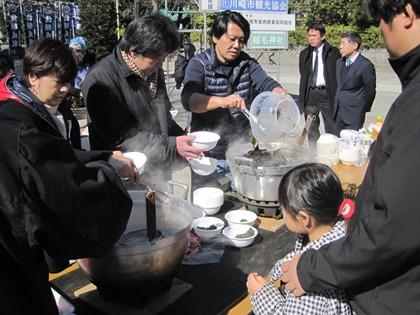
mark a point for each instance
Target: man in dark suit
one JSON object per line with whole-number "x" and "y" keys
{"x": 318, "y": 81}
{"x": 356, "y": 83}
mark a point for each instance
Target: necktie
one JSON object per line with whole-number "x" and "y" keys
{"x": 348, "y": 62}
{"x": 315, "y": 70}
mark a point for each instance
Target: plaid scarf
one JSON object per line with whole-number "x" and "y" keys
{"x": 151, "y": 80}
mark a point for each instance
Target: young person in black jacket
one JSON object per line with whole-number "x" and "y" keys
{"x": 378, "y": 262}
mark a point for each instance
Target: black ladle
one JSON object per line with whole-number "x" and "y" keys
{"x": 150, "y": 214}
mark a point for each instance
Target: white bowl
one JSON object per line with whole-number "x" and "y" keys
{"x": 208, "y": 197}
{"x": 138, "y": 158}
{"x": 205, "y": 140}
{"x": 204, "y": 166}
{"x": 211, "y": 210}
{"x": 206, "y": 222}
{"x": 234, "y": 240}
{"x": 327, "y": 145}
{"x": 238, "y": 218}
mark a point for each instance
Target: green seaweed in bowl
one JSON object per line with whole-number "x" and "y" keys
{"x": 247, "y": 234}
{"x": 207, "y": 228}
{"x": 243, "y": 221}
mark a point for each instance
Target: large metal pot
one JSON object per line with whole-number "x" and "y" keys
{"x": 260, "y": 179}
{"x": 135, "y": 265}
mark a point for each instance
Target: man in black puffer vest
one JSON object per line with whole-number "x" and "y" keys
{"x": 222, "y": 80}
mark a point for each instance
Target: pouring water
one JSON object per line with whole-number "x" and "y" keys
{"x": 253, "y": 119}
{"x": 272, "y": 116}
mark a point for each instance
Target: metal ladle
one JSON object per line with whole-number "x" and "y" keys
{"x": 253, "y": 119}
{"x": 309, "y": 119}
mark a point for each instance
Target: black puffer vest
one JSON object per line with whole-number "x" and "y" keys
{"x": 229, "y": 123}
{"x": 216, "y": 81}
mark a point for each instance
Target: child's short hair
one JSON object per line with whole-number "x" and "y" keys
{"x": 313, "y": 188}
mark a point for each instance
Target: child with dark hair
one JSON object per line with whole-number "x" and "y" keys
{"x": 311, "y": 200}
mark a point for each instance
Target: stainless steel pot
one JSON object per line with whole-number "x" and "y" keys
{"x": 137, "y": 265}
{"x": 259, "y": 180}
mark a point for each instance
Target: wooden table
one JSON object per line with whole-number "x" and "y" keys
{"x": 215, "y": 286}
{"x": 350, "y": 174}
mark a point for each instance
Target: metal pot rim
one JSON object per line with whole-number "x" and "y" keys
{"x": 244, "y": 165}
{"x": 148, "y": 247}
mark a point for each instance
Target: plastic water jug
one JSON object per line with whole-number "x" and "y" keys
{"x": 275, "y": 115}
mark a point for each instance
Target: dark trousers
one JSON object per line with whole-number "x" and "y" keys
{"x": 340, "y": 123}
{"x": 318, "y": 102}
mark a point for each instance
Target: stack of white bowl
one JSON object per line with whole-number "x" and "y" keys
{"x": 240, "y": 222}
{"x": 239, "y": 218}
{"x": 208, "y": 198}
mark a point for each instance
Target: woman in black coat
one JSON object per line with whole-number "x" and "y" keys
{"x": 54, "y": 200}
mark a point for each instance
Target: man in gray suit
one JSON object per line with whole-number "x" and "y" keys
{"x": 356, "y": 85}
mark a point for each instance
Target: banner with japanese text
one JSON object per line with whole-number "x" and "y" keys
{"x": 67, "y": 21}
{"x": 13, "y": 20}
{"x": 49, "y": 20}
{"x": 76, "y": 18}
{"x": 30, "y": 20}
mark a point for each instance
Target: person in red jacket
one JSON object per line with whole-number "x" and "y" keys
{"x": 378, "y": 262}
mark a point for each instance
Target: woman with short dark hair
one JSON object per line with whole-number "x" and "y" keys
{"x": 55, "y": 201}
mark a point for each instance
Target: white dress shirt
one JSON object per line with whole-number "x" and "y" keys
{"x": 354, "y": 57}
{"x": 320, "y": 80}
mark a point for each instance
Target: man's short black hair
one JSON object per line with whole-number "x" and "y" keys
{"x": 220, "y": 25}
{"x": 151, "y": 34}
{"x": 50, "y": 57}
{"x": 353, "y": 37}
{"x": 317, "y": 27}
{"x": 388, "y": 9}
